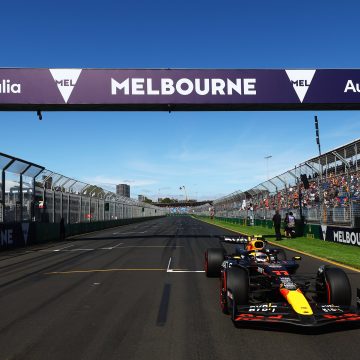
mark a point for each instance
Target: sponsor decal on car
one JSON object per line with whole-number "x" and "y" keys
{"x": 273, "y": 266}
{"x": 263, "y": 308}
{"x": 331, "y": 308}
{"x": 288, "y": 283}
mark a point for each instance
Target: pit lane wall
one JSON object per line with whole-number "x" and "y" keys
{"x": 17, "y": 235}
{"x": 341, "y": 235}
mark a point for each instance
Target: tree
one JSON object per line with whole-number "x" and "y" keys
{"x": 168, "y": 201}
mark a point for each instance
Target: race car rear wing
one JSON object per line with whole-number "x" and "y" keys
{"x": 241, "y": 239}
{"x": 236, "y": 240}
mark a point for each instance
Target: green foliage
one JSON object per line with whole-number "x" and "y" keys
{"x": 344, "y": 254}
{"x": 169, "y": 201}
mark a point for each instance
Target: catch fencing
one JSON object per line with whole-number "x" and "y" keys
{"x": 322, "y": 190}
{"x": 29, "y": 192}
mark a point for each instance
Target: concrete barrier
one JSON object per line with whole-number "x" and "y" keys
{"x": 15, "y": 235}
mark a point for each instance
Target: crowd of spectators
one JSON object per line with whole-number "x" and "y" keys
{"x": 334, "y": 190}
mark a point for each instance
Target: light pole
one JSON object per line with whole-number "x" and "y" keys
{"x": 267, "y": 158}
{"x": 183, "y": 188}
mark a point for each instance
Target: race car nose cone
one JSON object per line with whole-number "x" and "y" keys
{"x": 298, "y": 301}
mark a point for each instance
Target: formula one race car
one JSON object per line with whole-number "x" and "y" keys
{"x": 258, "y": 284}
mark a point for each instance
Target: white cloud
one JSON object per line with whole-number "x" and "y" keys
{"x": 110, "y": 181}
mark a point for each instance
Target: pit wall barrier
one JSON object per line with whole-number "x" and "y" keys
{"x": 16, "y": 235}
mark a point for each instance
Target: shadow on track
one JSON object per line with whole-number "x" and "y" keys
{"x": 286, "y": 328}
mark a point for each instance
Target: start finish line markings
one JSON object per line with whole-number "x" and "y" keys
{"x": 181, "y": 270}
{"x": 65, "y": 249}
{"x": 168, "y": 270}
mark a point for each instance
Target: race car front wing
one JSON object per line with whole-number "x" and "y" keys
{"x": 273, "y": 314}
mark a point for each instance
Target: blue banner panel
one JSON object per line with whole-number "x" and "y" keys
{"x": 179, "y": 89}
{"x": 341, "y": 235}
{"x": 14, "y": 235}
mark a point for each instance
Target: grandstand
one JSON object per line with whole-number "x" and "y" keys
{"x": 321, "y": 190}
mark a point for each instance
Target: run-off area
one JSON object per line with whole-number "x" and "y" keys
{"x": 137, "y": 292}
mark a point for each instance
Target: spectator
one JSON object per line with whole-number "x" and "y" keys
{"x": 277, "y": 224}
{"x": 286, "y": 221}
{"x": 291, "y": 225}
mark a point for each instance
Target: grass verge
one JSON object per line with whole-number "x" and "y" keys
{"x": 343, "y": 254}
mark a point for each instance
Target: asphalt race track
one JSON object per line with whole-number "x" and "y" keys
{"x": 138, "y": 292}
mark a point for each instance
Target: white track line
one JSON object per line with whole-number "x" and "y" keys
{"x": 181, "y": 271}
{"x": 131, "y": 232}
{"x": 187, "y": 271}
{"x": 168, "y": 267}
{"x": 65, "y": 247}
{"x": 151, "y": 246}
{"x": 68, "y": 250}
{"x": 112, "y": 247}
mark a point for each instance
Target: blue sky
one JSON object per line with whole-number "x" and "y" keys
{"x": 211, "y": 153}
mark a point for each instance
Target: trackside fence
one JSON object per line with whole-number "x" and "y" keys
{"x": 31, "y": 193}
{"x": 323, "y": 190}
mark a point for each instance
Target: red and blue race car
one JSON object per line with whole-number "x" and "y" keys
{"x": 259, "y": 285}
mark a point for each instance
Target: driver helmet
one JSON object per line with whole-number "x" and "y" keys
{"x": 255, "y": 244}
{"x": 259, "y": 257}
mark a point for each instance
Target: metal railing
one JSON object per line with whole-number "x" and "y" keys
{"x": 29, "y": 192}
{"x": 324, "y": 189}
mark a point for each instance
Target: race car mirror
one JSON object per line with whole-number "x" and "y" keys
{"x": 296, "y": 258}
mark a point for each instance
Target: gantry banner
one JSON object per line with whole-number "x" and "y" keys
{"x": 179, "y": 89}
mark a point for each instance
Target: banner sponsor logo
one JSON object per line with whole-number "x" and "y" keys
{"x": 301, "y": 80}
{"x": 65, "y": 80}
{"x": 186, "y": 89}
{"x": 6, "y": 237}
{"x": 14, "y": 235}
{"x": 184, "y": 86}
{"x": 7, "y": 87}
{"x": 352, "y": 87}
{"x": 347, "y": 237}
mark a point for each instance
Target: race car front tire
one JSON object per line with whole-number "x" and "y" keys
{"x": 335, "y": 286}
{"x": 213, "y": 260}
{"x": 237, "y": 287}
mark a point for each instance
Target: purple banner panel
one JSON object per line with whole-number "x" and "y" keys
{"x": 175, "y": 89}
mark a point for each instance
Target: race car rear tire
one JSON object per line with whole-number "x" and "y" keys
{"x": 237, "y": 287}
{"x": 335, "y": 286}
{"x": 213, "y": 260}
